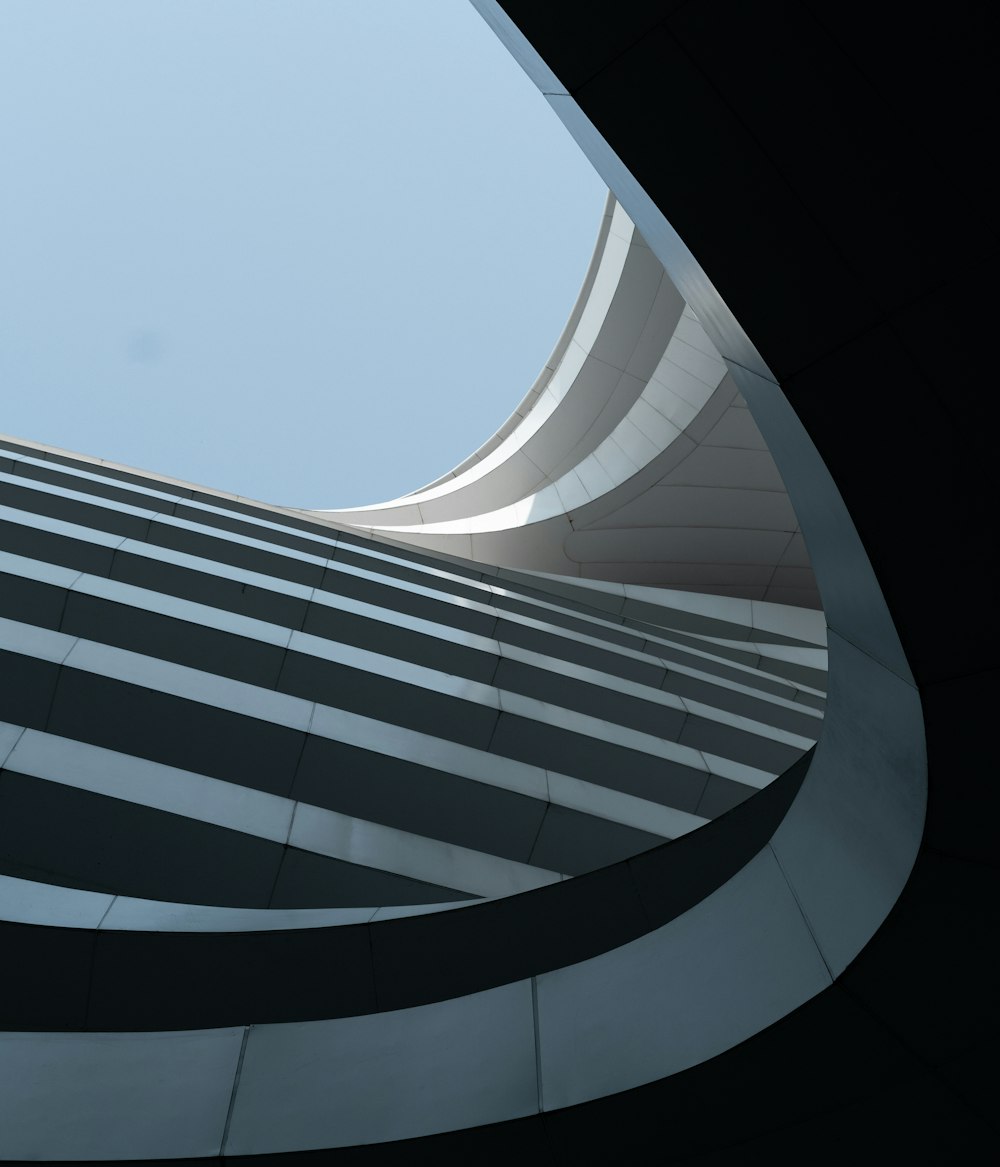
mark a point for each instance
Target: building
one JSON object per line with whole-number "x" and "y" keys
{"x": 756, "y": 988}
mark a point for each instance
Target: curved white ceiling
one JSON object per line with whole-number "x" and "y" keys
{"x": 633, "y": 457}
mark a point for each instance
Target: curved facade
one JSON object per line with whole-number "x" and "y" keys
{"x": 266, "y": 782}
{"x": 273, "y": 752}
{"x": 633, "y": 457}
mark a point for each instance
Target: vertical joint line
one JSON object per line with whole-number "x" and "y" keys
{"x": 538, "y": 1050}
{"x": 805, "y": 918}
{"x": 285, "y": 847}
{"x": 232, "y": 1096}
{"x": 3, "y": 759}
{"x": 541, "y": 823}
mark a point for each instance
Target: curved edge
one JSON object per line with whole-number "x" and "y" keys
{"x": 530, "y": 398}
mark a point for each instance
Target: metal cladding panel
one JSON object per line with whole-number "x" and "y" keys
{"x": 100, "y": 1096}
{"x": 462, "y": 1063}
{"x": 679, "y": 995}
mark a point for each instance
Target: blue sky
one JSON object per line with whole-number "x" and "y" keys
{"x": 311, "y": 251}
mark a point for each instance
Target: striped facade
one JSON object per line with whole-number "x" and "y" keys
{"x": 239, "y": 745}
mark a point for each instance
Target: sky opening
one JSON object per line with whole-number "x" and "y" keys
{"x": 309, "y": 251}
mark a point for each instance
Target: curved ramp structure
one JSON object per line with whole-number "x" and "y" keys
{"x": 264, "y": 781}
{"x": 329, "y": 838}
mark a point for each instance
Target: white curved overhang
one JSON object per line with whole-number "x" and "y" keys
{"x": 633, "y": 457}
